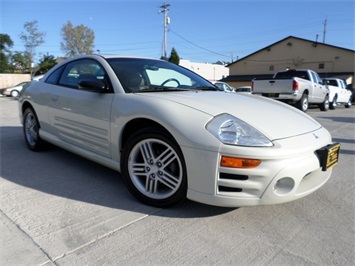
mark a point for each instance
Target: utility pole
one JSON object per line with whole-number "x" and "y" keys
{"x": 325, "y": 29}
{"x": 166, "y": 22}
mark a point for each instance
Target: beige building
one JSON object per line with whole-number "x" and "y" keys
{"x": 211, "y": 72}
{"x": 292, "y": 53}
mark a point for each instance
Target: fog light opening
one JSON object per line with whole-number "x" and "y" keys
{"x": 284, "y": 185}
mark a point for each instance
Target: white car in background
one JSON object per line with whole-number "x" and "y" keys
{"x": 37, "y": 78}
{"x": 15, "y": 90}
{"x": 222, "y": 86}
{"x": 243, "y": 89}
{"x": 173, "y": 135}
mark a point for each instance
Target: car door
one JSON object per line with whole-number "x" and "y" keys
{"x": 81, "y": 117}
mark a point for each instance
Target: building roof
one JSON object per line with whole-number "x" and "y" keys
{"x": 291, "y": 37}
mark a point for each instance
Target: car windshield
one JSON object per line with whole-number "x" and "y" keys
{"x": 148, "y": 75}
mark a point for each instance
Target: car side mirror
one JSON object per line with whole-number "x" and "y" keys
{"x": 92, "y": 85}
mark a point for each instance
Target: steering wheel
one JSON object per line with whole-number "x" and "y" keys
{"x": 171, "y": 79}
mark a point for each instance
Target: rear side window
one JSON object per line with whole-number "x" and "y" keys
{"x": 54, "y": 77}
{"x": 331, "y": 82}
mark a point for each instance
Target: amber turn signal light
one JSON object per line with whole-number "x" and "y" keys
{"x": 239, "y": 162}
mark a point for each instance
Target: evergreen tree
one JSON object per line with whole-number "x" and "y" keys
{"x": 174, "y": 57}
{"x": 46, "y": 63}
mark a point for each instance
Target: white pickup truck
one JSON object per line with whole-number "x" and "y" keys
{"x": 299, "y": 87}
{"x": 338, "y": 94}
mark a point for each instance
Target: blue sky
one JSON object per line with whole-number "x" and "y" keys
{"x": 200, "y": 30}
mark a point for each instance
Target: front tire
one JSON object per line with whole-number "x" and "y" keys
{"x": 153, "y": 168}
{"x": 324, "y": 106}
{"x": 334, "y": 104}
{"x": 348, "y": 104}
{"x": 31, "y": 130}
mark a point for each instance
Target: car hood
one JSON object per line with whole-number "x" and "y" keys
{"x": 274, "y": 119}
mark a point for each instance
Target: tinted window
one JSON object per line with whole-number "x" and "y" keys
{"x": 331, "y": 82}
{"x": 86, "y": 69}
{"x": 291, "y": 74}
{"x": 54, "y": 77}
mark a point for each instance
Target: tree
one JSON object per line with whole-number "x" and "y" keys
{"x": 5, "y": 44}
{"x": 21, "y": 61}
{"x": 77, "y": 40}
{"x": 32, "y": 39}
{"x": 174, "y": 57}
{"x": 46, "y": 63}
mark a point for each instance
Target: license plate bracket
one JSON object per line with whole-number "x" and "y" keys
{"x": 329, "y": 156}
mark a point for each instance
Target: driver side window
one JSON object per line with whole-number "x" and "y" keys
{"x": 81, "y": 70}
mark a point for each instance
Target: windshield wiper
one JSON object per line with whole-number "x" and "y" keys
{"x": 160, "y": 89}
{"x": 205, "y": 88}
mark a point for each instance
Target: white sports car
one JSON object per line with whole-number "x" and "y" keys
{"x": 172, "y": 135}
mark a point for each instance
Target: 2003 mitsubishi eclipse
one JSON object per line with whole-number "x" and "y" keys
{"x": 173, "y": 135}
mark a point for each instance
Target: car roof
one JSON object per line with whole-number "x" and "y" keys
{"x": 107, "y": 56}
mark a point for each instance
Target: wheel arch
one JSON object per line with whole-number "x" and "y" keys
{"x": 25, "y": 106}
{"x": 137, "y": 124}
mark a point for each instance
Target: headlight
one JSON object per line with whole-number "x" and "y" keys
{"x": 233, "y": 131}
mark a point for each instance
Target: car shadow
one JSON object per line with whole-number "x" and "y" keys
{"x": 340, "y": 119}
{"x": 345, "y": 141}
{"x": 61, "y": 173}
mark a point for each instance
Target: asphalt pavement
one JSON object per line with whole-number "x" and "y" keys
{"x": 57, "y": 208}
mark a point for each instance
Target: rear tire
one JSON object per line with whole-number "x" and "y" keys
{"x": 14, "y": 93}
{"x": 348, "y": 104}
{"x": 302, "y": 104}
{"x": 333, "y": 105}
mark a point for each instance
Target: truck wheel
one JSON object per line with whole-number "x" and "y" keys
{"x": 333, "y": 105}
{"x": 302, "y": 104}
{"x": 324, "y": 106}
{"x": 348, "y": 104}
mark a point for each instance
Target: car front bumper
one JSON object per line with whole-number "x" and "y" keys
{"x": 290, "y": 170}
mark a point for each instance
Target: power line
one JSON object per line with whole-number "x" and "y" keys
{"x": 198, "y": 45}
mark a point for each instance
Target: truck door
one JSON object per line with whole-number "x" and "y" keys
{"x": 343, "y": 92}
{"x": 318, "y": 88}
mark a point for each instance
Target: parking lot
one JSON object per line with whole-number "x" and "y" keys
{"x": 57, "y": 208}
